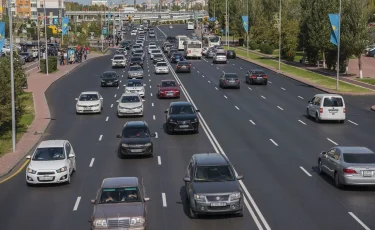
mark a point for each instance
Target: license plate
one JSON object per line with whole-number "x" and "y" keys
{"x": 136, "y": 150}
{"x": 169, "y": 94}
{"x": 109, "y": 83}
{"x": 218, "y": 204}
{"x": 260, "y": 78}
{"x": 87, "y": 109}
{"x": 184, "y": 67}
{"x": 184, "y": 126}
{"x": 367, "y": 173}
{"x": 45, "y": 178}
{"x": 232, "y": 81}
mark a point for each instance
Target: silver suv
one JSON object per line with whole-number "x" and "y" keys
{"x": 220, "y": 57}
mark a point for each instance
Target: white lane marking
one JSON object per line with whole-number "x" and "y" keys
{"x": 252, "y": 122}
{"x": 240, "y": 67}
{"x": 212, "y": 64}
{"x": 149, "y": 79}
{"x": 151, "y": 94}
{"x": 305, "y": 171}
{"x": 249, "y": 88}
{"x": 152, "y": 104}
{"x": 118, "y": 87}
{"x": 270, "y": 82}
{"x": 107, "y": 119}
{"x": 233, "y": 64}
{"x": 159, "y": 160}
{"x": 198, "y": 71}
{"x": 120, "y": 81}
{"x": 352, "y": 122}
{"x": 153, "y": 117}
{"x": 111, "y": 105}
{"x": 280, "y": 108}
{"x": 193, "y": 67}
{"x": 100, "y": 137}
{"x": 237, "y": 107}
{"x": 202, "y": 75}
{"x": 143, "y": 100}
{"x": 164, "y": 199}
{"x": 92, "y": 162}
{"x": 225, "y": 96}
{"x": 76, "y": 204}
{"x": 283, "y": 88}
{"x": 217, "y": 67}
{"x": 156, "y": 135}
{"x": 209, "y": 82}
{"x": 302, "y": 122}
{"x": 223, "y": 71}
{"x": 115, "y": 95}
{"x": 216, "y": 88}
{"x": 122, "y": 75}
{"x": 332, "y": 141}
{"x": 148, "y": 70}
{"x": 274, "y": 142}
{"x": 300, "y": 97}
{"x": 150, "y": 86}
{"x": 148, "y": 74}
{"x": 263, "y": 96}
{"x": 359, "y": 221}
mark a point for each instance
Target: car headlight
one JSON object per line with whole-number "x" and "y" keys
{"x": 195, "y": 120}
{"x": 199, "y": 197}
{"x": 148, "y": 144}
{"x": 100, "y": 223}
{"x": 79, "y": 105}
{"x": 137, "y": 221}
{"x": 235, "y": 196}
{"x": 172, "y": 121}
{"x": 63, "y": 169}
{"x": 30, "y": 170}
{"x": 124, "y": 145}
{"x": 103, "y": 81}
{"x": 116, "y": 80}
{"x": 120, "y": 107}
{"x": 139, "y": 107}
{"x": 96, "y": 105}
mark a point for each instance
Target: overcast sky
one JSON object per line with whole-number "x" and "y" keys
{"x": 86, "y": 2}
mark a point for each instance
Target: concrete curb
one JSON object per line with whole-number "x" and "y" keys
{"x": 373, "y": 108}
{"x": 12, "y": 167}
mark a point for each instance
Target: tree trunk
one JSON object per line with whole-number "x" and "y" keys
{"x": 324, "y": 59}
{"x": 360, "y": 65}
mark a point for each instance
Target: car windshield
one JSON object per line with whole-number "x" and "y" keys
{"x": 138, "y": 51}
{"x": 155, "y": 51}
{"x": 168, "y": 84}
{"x": 333, "y": 102}
{"x": 130, "y": 99}
{"x": 118, "y": 57}
{"x": 220, "y": 54}
{"x": 161, "y": 64}
{"x": 134, "y": 83}
{"x": 119, "y": 195}
{"x": 89, "y": 97}
{"x": 152, "y": 47}
{"x": 49, "y": 154}
{"x": 213, "y": 173}
{"x": 135, "y": 68}
{"x": 182, "y": 109}
{"x": 158, "y": 56}
{"x": 355, "y": 158}
{"x": 136, "y": 59}
{"x": 109, "y": 75}
{"x": 135, "y": 132}
{"x": 183, "y": 63}
{"x": 137, "y": 55}
{"x": 136, "y": 47}
{"x": 24, "y": 54}
{"x": 177, "y": 55}
{"x": 214, "y": 39}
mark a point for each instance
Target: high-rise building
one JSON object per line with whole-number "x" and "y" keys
{"x": 99, "y": 2}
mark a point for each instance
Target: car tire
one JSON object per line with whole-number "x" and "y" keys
{"x": 342, "y": 121}
{"x": 240, "y": 213}
{"x": 265, "y": 83}
{"x": 320, "y": 167}
{"x": 239, "y": 87}
{"x": 68, "y": 181}
{"x": 29, "y": 184}
{"x": 119, "y": 155}
{"x": 307, "y": 112}
{"x": 151, "y": 155}
{"x": 192, "y": 215}
{"x": 337, "y": 181}
{"x": 196, "y": 131}
{"x": 317, "y": 119}
{"x": 250, "y": 82}
{"x": 247, "y": 80}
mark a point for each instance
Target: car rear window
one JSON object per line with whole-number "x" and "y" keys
{"x": 355, "y": 158}
{"x": 333, "y": 102}
{"x": 136, "y": 59}
{"x": 161, "y": 64}
{"x": 231, "y": 76}
{"x": 258, "y": 72}
{"x": 118, "y": 58}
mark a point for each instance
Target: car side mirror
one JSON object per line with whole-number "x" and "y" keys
{"x": 197, "y": 110}
{"x": 239, "y": 177}
{"x": 118, "y": 136}
{"x": 118, "y": 101}
{"x": 187, "y": 179}
{"x": 71, "y": 155}
{"x": 166, "y": 111}
{"x": 157, "y": 85}
{"x": 93, "y": 201}
{"x": 76, "y": 99}
{"x": 153, "y": 135}
{"x": 146, "y": 199}
{"x": 324, "y": 153}
{"x": 28, "y": 157}
{"x": 309, "y": 102}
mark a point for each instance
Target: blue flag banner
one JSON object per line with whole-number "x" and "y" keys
{"x": 2, "y": 35}
{"x": 104, "y": 30}
{"x": 245, "y": 23}
{"x": 334, "y": 20}
{"x": 64, "y": 26}
{"x": 55, "y": 21}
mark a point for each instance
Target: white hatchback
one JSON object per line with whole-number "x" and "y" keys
{"x": 53, "y": 161}
{"x": 327, "y": 107}
{"x": 89, "y": 102}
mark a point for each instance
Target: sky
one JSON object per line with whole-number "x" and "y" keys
{"x": 86, "y": 2}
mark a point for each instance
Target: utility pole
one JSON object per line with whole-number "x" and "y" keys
{"x": 338, "y": 51}
{"x": 248, "y": 27}
{"x": 45, "y": 35}
{"x": 38, "y": 31}
{"x": 280, "y": 37}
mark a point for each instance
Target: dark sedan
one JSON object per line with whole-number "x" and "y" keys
{"x": 136, "y": 61}
{"x": 172, "y": 51}
{"x": 183, "y": 66}
{"x": 109, "y": 78}
{"x": 231, "y": 54}
{"x": 27, "y": 56}
{"x": 176, "y": 57}
{"x": 181, "y": 116}
{"x": 256, "y": 77}
{"x": 135, "y": 139}
{"x": 171, "y": 39}
{"x": 229, "y": 80}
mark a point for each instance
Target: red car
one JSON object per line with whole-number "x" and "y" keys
{"x": 168, "y": 89}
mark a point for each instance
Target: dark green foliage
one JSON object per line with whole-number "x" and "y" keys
{"x": 266, "y": 48}
{"x": 52, "y": 65}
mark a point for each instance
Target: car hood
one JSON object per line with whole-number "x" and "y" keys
{"x": 169, "y": 89}
{"x": 109, "y": 79}
{"x": 134, "y": 88}
{"x": 88, "y": 102}
{"x": 183, "y": 117}
{"x": 216, "y": 187}
{"x": 130, "y": 105}
{"x": 133, "y": 72}
{"x": 119, "y": 210}
{"x": 136, "y": 141}
{"x": 47, "y": 165}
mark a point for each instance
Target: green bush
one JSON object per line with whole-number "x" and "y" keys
{"x": 266, "y": 48}
{"x": 52, "y": 65}
{"x": 253, "y": 45}
{"x": 288, "y": 55}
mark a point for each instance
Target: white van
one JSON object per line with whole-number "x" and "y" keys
{"x": 327, "y": 107}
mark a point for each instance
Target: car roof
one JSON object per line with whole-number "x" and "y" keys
{"x": 161, "y": 62}
{"x": 230, "y": 74}
{"x": 118, "y": 182}
{"x": 119, "y": 55}
{"x": 327, "y": 95}
{"x": 129, "y": 94}
{"x": 179, "y": 103}
{"x": 210, "y": 159}
{"x": 51, "y": 143}
{"x": 353, "y": 149}
{"x": 90, "y": 92}
{"x": 135, "y": 124}
{"x": 257, "y": 70}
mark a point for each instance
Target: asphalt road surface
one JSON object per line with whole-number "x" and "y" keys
{"x": 262, "y": 129}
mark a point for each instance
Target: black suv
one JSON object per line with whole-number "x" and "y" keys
{"x": 181, "y": 116}
{"x": 135, "y": 140}
{"x": 212, "y": 186}
{"x": 109, "y": 78}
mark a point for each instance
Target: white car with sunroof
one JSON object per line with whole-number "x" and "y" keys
{"x": 89, "y": 102}
{"x": 135, "y": 86}
{"x": 130, "y": 104}
{"x": 53, "y": 161}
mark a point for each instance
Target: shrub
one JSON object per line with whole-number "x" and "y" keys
{"x": 266, "y": 48}
{"x": 52, "y": 65}
{"x": 253, "y": 45}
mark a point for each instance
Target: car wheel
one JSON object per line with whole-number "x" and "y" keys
{"x": 151, "y": 155}
{"x": 265, "y": 83}
{"x": 196, "y": 131}
{"x": 317, "y": 120}
{"x": 307, "y": 112}
{"x": 192, "y": 214}
{"x": 337, "y": 181}
{"x": 250, "y": 82}
{"x": 239, "y": 87}
{"x": 240, "y": 213}
{"x": 119, "y": 155}
{"x": 320, "y": 167}
{"x": 29, "y": 184}
{"x": 75, "y": 167}
{"x": 247, "y": 80}
{"x": 342, "y": 121}
{"x": 68, "y": 181}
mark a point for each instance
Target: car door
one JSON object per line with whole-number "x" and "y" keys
{"x": 310, "y": 106}
{"x": 316, "y": 105}
{"x": 330, "y": 161}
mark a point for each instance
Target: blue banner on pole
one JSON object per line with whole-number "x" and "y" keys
{"x": 334, "y": 20}
{"x": 64, "y": 26}
{"x": 104, "y": 30}
{"x": 2, "y": 35}
{"x": 55, "y": 21}
{"x": 245, "y": 23}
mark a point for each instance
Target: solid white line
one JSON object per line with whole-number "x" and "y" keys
{"x": 115, "y": 95}
{"x": 252, "y": 122}
{"x": 332, "y": 141}
{"x": 159, "y": 160}
{"x": 107, "y": 119}
{"x": 237, "y": 108}
{"x": 274, "y": 142}
{"x": 164, "y": 199}
{"x": 280, "y": 108}
{"x": 156, "y": 135}
{"x": 151, "y": 94}
{"x": 92, "y": 162}
{"x": 249, "y": 88}
{"x": 352, "y": 122}
{"x": 302, "y": 122}
{"x": 305, "y": 171}
{"x": 77, "y": 203}
{"x": 111, "y": 105}
{"x": 300, "y": 97}
{"x": 31, "y": 69}
{"x": 216, "y": 88}
{"x": 263, "y": 97}
{"x": 209, "y": 82}
{"x": 283, "y": 88}
{"x": 359, "y": 221}
{"x": 153, "y": 117}
{"x": 152, "y": 104}
{"x": 100, "y": 137}
{"x": 225, "y": 96}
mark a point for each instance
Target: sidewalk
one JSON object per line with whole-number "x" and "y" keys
{"x": 38, "y": 83}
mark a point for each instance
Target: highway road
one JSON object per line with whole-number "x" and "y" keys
{"x": 262, "y": 129}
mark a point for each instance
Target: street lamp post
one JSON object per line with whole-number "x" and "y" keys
{"x": 280, "y": 37}
{"x": 45, "y": 35}
{"x": 338, "y": 50}
{"x": 227, "y": 24}
{"x": 38, "y": 31}
{"x": 247, "y": 40}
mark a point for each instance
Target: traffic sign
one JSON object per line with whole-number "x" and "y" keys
{"x": 216, "y": 22}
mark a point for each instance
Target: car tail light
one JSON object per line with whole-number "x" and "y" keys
{"x": 238, "y": 80}
{"x": 189, "y": 65}
{"x": 321, "y": 110}
{"x": 265, "y": 76}
{"x": 253, "y": 77}
{"x": 344, "y": 110}
{"x": 178, "y": 66}
{"x": 349, "y": 171}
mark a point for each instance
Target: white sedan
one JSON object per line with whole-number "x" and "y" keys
{"x": 130, "y": 104}
{"x": 89, "y": 102}
{"x": 133, "y": 33}
{"x": 161, "y": 67}
{"x": 53, "y": 161}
